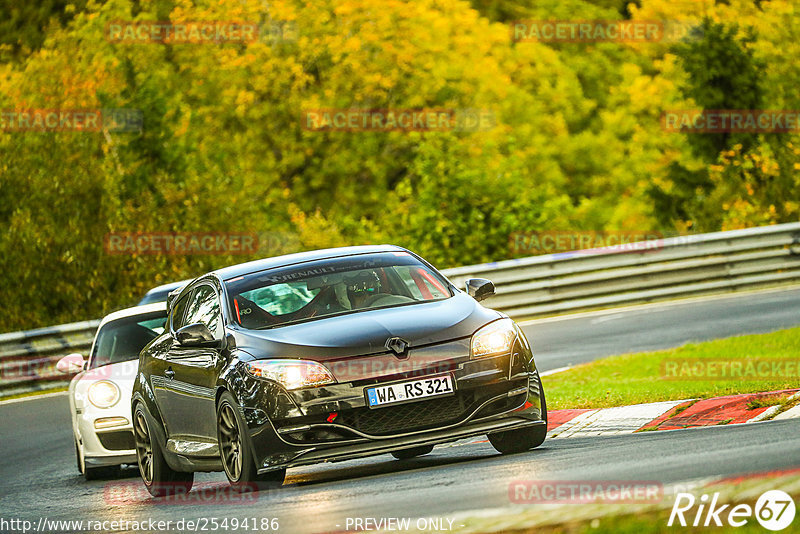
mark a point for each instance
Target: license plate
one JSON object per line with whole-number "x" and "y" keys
{"x": 435, "y": 386}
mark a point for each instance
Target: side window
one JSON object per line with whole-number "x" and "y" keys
{"x": 204, "y": 308}
{"x": 178, "y": 312}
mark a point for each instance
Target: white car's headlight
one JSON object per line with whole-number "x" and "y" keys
{"x": 292, "y": 374}
{"x": 493, "y": 339}
{"x": 104, "y": 394}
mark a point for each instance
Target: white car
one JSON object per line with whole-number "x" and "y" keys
{"x": 100, "y": 394}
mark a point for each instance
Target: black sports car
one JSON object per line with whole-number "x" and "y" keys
{"x": 326, "y": 356}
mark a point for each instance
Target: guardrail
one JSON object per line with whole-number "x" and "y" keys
{"x": 28, "y": 359}
{"x": 655, "y": 270}
{"x": 528, "y": 287}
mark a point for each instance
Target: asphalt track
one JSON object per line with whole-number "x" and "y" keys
{"x": 38, "y": 476}
{"x": 573, "y": 340}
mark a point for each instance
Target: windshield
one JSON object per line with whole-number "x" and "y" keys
{"x": 122, "y": 340}
{"x": 333, "y": 287}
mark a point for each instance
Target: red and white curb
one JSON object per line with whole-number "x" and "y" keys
{"x": 791, "y": 413}
{"x": 610, "y": 421}
{"x": 732, "y": 409}
{"x": 668, "y": 415}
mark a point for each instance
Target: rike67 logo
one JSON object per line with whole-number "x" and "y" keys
{"x": 774, "y": 510}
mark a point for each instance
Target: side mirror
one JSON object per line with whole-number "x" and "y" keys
{"x": 480, "y": 288}
{"x": 70, "y": 364}
{"x": 195, "y": 335}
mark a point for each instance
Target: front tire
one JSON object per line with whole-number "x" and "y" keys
{"x": 235, "y": 452}
{"x": 158, "y": 477}
{"x": 93, "y": 473}
{"x": 78, "y": 459}
{"x": 525, "y": 439}
{"x": 407, "y": 454}
{"x": 100, "y": 473}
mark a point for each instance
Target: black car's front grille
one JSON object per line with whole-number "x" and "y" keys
{"x": 410, "y": 416}
{"x": 120, "y": 440}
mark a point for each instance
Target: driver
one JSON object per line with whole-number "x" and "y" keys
{"x": 361, "y": 286}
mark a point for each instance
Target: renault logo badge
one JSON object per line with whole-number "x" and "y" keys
{"x": 398, "y": 346}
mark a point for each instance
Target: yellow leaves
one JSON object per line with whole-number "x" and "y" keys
{"x": 352, "y": 44}
{"x": 244, "y": 99}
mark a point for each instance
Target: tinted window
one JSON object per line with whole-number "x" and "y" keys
{"x": 281, "y": 299}
{"x": 333, "y": 287}
{"x": 204, "y": 308}
{"x": 123, "y": 339}
{"x": 179, "y": 312}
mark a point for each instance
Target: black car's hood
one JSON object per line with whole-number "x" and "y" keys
{"x": 366, "y": 332}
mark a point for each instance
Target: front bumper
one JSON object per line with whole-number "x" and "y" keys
{"x": 110, "y": 446}
{"x": 334, "y": 423}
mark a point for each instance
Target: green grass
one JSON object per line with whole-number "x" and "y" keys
{"x": 765, "y": 402}
{"x": 652, "y": 522}
{"x": 640, "y": 377}
{"x": 651, "y": 518}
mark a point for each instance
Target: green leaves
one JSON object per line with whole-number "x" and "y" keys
{"x": 575, "y": 140}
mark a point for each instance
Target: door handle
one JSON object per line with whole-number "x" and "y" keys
{"x": 169, "y": 373}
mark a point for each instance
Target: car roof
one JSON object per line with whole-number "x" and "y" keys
{"x": 159, "y": 294}
{"x": 131, "y": 312}
{"x": 168, "y": 287}
{"x": 227, "y": 273}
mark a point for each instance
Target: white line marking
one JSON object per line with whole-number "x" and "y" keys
{"x": 607, "y": 318}
{"x": 34, "y": 397}
{"x": 654, "y": 305}
{"x": 554, "y": 371}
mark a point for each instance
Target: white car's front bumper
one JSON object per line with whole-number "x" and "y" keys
{"x": 109, "y": 444}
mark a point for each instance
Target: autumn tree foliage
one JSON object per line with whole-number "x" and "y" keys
{"x": 575, "y": 143}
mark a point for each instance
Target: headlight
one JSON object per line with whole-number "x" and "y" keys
{"x": 292, "y": 374}
{"x": 103, "y": 394}
{"x": 494, "y": 338}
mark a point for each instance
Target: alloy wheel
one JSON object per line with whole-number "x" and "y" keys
{"x": 144, "y": 448}
{"x": 230, "y": 442}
